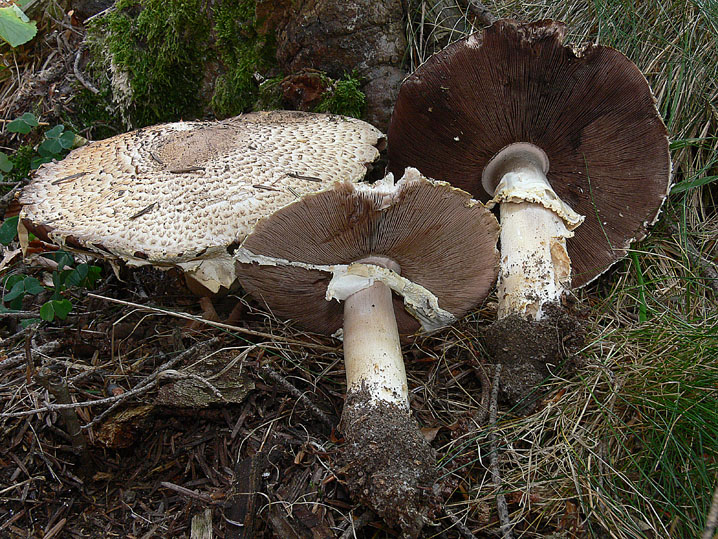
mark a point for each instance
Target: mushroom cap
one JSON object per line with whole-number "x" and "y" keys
{"x": 591, "y": 111}
{"x": 186, "y": 192}
{"x": 441, "y": 238}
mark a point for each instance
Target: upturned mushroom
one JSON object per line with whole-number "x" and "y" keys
{"x": 183, "y": 194}
{"x": 568, "y": 142}
{"x": 430, "y": 244}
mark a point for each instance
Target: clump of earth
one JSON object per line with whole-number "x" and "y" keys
{"x": 530, "y": 351}
{"x": 388, "y": 464}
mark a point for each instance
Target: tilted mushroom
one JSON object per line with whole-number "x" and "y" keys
{"x": 185, "y": 194}
{"x": 568, "y": 142}
{"x": 434, "y": 247}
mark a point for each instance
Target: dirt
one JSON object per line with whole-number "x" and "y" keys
{"x": 531, "y": 351}
{"x": 389, "y": 465}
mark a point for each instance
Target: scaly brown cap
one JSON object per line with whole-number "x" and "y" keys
{"x": 591, "y": 111}
{"x": 181, "y": 194}
{"x": 442, "y": 240}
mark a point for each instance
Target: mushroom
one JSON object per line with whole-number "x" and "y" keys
{"x": 430, "y": 244}
{"x": 568, "y": 142}
{"x": 185, "y": 194}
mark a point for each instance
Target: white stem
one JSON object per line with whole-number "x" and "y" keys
{"x": 372, "y": 351}
{"x": 535, "y": 267}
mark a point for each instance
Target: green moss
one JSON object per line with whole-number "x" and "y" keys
{"x": 270, "y": 95}
{"x": 344, "y": 97}
{"x": 21, "y": 163}
{"x": 91, "y": 115}
{"x": 243, "y": 51}
{"x": 170, "y": 59}
{"x": 156, "y": 50}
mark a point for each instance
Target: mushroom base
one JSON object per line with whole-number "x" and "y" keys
{"x": 531, "y": 351}
{"x": 389, "y": 465}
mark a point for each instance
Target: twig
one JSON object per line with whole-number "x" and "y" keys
{"x": 99, "y": 15}
{"x": 480, "y": 370}
{"x": 358, "y": 524}
{"x": 43, "y": 349}
{"x": 78, "y": 74}
{"x": 501, "y": 506}
{"x": 8, "y": 197}
{"x": 57, "y": 387}
{"x": 140, "y": 388}
{"x": 152, "y": 379}
{"x": 187, "y": 492}
{"x": 712, "y": 518}
{"x": 301, "y": 397}
{"x": 460, "y": 526}
{"x": 20, "y": 314}
{"x": 219, "y": 325}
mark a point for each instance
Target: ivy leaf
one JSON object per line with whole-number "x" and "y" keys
{"x": 8, "y": 230}
{"x": 15, "y": 27}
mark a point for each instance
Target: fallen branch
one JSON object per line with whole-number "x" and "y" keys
{"x": 149, "y": 382}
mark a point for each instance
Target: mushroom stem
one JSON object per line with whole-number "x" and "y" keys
{"x": 372, "y": 350}
{"x": 535, "y": 267}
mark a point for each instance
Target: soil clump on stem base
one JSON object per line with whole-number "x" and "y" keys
{"x": 530, "y": 351}
{"x": 389, "y": 465}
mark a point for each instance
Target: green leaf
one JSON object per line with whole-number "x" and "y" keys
{"x": 62, "y": 308}
{"x": 23, "y": 124}
{"x": 55, "y": 308}
{"x": 50, "y": 147}
{"x": 63, "y": 259}
{"x": 5, "y": 164}
{"x": 29, "y": 321}
{"x": 8, "y": 230}
{"x": 67, "y": 139}
{"x": 54, "y": 132}
{"x": 17, "y": 291}
{"x": 33, "y": 286}
{"x": 35, "y": 162}
{"x": 15, "y": 27}
{"x": 12, "y": 279}
{"x": 47, "y": 312}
